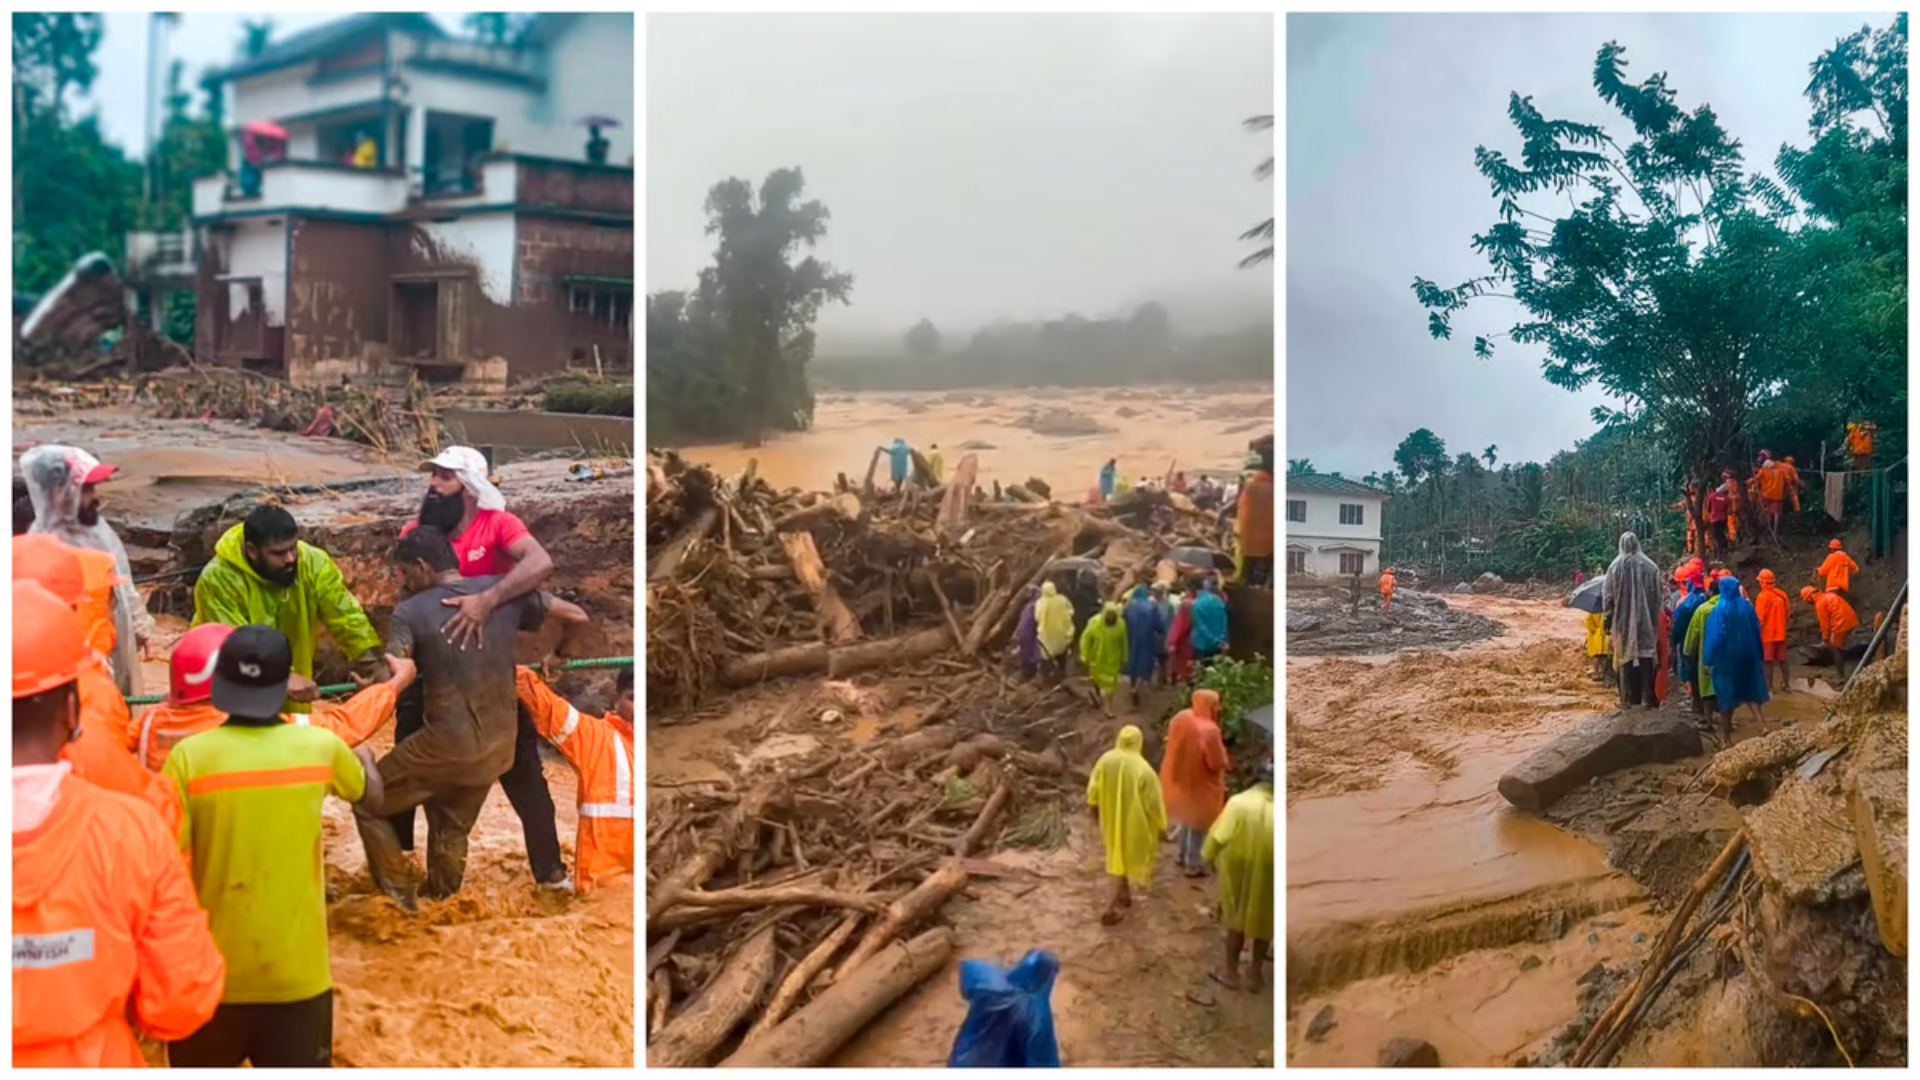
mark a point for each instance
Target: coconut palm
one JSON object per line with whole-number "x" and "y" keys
{"x": 1263, "y": 232}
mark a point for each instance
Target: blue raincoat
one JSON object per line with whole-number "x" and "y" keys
{"x": 1209, "y": 622}
{"x": 1676, "y": 638}
{"x": 902, "y": 460}
{"x": 1107, "y": 472}
{"x": 1143, "y": 634}
{"x": 1731, "y": 649}
{"x": 1009, "y": 1021}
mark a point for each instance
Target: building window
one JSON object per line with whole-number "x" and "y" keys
{"x": 610, "y": 305}
{"x": 1296, "y": 562}
{"x": 1352, "y": 514}
{"x": 1353, "y": 562}
{"x": 1297, "y": 510}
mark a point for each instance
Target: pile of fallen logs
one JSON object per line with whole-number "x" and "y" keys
{"x": 403, "y": 422}
{"x": 746, "y": 583}
{"x": 789, "y": 908}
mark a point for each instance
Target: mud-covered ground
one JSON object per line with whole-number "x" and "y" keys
{"x": 1137, "y": 994}
{"x": 1324, "y": 620}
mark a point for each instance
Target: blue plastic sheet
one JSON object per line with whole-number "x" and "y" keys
{"x": 1009, "y": 1021}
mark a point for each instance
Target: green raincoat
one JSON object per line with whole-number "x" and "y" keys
{"x": 1696, "y": 637}
{"x": 1103, "y": 648}
{"x": 1240, "y": 846}
{"x": 229, "y": 591}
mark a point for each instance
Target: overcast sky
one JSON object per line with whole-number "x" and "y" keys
{"x": 1383, "y": 114}
{"x": 975, "y": 166}
{"x": 200, "y": 40}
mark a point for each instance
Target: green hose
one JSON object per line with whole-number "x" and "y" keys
{"x": 348, "y": 688}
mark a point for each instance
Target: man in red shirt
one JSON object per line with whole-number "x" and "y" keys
{"x": 1717, "y": 507}
{"x": 462, "y": 501}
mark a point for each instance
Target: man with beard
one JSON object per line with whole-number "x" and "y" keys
{"x": 63, "y": 485}
{"x": 488, "y": 541}
{"x": 263, "y": 574}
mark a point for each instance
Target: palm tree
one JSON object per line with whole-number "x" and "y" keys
{"x": 257, "y": 37}
{"x": 1491, "y": 453}
{"x": 1263, "y": 232}
{"x": 1299, "y": 466}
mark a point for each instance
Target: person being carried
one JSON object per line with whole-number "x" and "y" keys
{"x": 63, "y": 483}
{"x": 1771, "y": 608}
{"x": 600, "y": 749}
{"x": 491, "y": 542}
{"x": 107, "y": 933}
{"x": 1103, "y": 652}
{"x": 1838, "y": 569}
{"x": 1240, "y": 847}
{"x": 1123, "y": 796}
{"x": 1193, "y": 776}
{"x": 467, "y": 740}
{"x": 253, "y": 789}
{"x": 263, "y": 574}
{"x": 189, "y": 709}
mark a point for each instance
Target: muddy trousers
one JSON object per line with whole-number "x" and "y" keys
{"x": 524, "y": 783}
{"x": 451, "y": 812}
{"x": 1637, "y": 682}
{"x": 282, "y": 1035}
{"x": 1190, "y": 841}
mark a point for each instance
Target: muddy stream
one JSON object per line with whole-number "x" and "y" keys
{"x": 1419, "y": 903}
{"x": 1062, "y": 436}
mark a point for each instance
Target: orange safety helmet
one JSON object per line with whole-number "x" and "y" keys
{"x": 190, "y": 668}
{"x": 1806, "y": 593}
{"x": 49, "y": 648}
{"x": 50, "y": 563}
{"x": 1766, "y": 577}
{"x": 1833, "y": 545}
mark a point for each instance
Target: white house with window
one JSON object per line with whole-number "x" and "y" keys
{"x": 1333, "y": 526}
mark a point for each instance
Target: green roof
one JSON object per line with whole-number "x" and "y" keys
{"x": 1330, "y": 485}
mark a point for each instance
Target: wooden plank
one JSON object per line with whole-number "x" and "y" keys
{"x": 839, "y": 620}
{"x": 959, "y": 495}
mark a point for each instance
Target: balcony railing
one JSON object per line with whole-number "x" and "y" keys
{"x": 303, "y": 185}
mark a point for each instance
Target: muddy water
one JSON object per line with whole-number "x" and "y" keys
{"x": 1149, "y": 430}
{"x": 1413, "y": 890}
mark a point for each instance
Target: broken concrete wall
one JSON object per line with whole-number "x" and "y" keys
{"x": 337, "y": 302}
{"x": 541, "y": 333}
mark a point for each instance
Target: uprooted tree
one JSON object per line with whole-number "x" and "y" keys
{"x": 1702, "y": 298}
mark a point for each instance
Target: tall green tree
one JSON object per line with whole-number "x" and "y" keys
{"x": 923, "y": 340}
{"x": 1262, "y": 233}
{"x": 767, "y": 298}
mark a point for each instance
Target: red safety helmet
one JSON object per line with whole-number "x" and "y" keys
{"x": 190, "y": 668}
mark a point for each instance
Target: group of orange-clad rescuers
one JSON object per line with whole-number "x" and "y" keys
{"x": 168, "y": 876}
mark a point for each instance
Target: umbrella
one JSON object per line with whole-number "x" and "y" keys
{"x": 264, "y": 129}
{"x": 1587, "y": 596}
{"x": 597, "y": 121}
{"x": 1200, "y": 558}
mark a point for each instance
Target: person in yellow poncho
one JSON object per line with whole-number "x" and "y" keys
{"x": 1103, "y": 652}
{"x": 1123, "y": 794}
{"x": 1053, "y": 620}
{"x": 1692, "y": 644}
{"x": 1240, "y": 847}
{"x": 1597, "y": 648}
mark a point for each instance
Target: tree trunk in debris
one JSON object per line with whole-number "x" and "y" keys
{"x": 835, "y": 616}
{"x": 688, "y": 1039}
{"x": 927, "y": 898}
{"x": 669, "y": 561}
{"x": 927, "y": 740}
{"x": 719, "y": 850}
{"x": 797, "y": 980}
{"x": 958, "y": 498}
{"x": 833, "y": 662}
{"x": 777, "y": 895}
{"x": 811, "y": 1036}
{"x": 984, "y": 824}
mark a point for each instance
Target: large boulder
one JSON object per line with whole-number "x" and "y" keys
{"x": 1408, "y": 1054}
{"x": 1601, "y": 745}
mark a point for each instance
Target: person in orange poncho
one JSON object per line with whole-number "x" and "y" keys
{"x": 1770, "y": 483}
{"x": 1860, "y": 443}
{"x": 1837, "y": 618}
{"x": 1794, "y": 483}
{"x": 97, "y": 753}
{"x": 98, "y": 578}
{"x": 189, "y": 710}
{"x": 1771, "y": 605}
{"x": 1692, "y": 512}
{"x": 600, "y": 749}
{"x": 1838, "y": 569}
{"x": 107, "y": 932}
{"x": 1386, "y": 589}
{"x": 1736, "y": 502}
{"x": 1193, "y": 776}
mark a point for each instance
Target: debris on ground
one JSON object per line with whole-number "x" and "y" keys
{"x": 1332, "y": 618}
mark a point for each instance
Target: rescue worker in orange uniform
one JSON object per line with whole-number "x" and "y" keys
{"x": 1735, "y": 503}
{"x": 1770, "y": 483}
{"x": 600, "y": 749}
{"x": 188, "y": 709}
{"x": 98, "y": 752}
{"x": 1838, "y": 569}
{"x": 1686, "y": 506}
{"x": 1386, "y": 589}
{"x": 107, "y": 932}
{"x": 1860, "y": 443}
{"x": 98, "y": 579}
{"x": 1771, "y": 606}
{"x": 1837, "y": 618}
{"x": 1253, "y": 526}
{"x": 1794, "y": 483}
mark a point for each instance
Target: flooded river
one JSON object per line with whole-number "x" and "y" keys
{"x": 1062, "y": 436}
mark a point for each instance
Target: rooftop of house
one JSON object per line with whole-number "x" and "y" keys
{"x": 308, "y": 44}
{"x": 1321, "y": 484}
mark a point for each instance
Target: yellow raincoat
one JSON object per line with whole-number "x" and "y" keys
{"x": 1696, "y": 638}
{"x": 1053, "y": 620}
{"x": 1240, "y": 847}
{"x": 1596, "y": 634}
{"x": 1103, "y": 648}
{"x": 1125, "y": 790}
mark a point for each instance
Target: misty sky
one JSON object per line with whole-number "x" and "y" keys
{"x": 976, "y": 166}
{"x": 200, "y": 40}
{"x": 1383, "y": 114}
